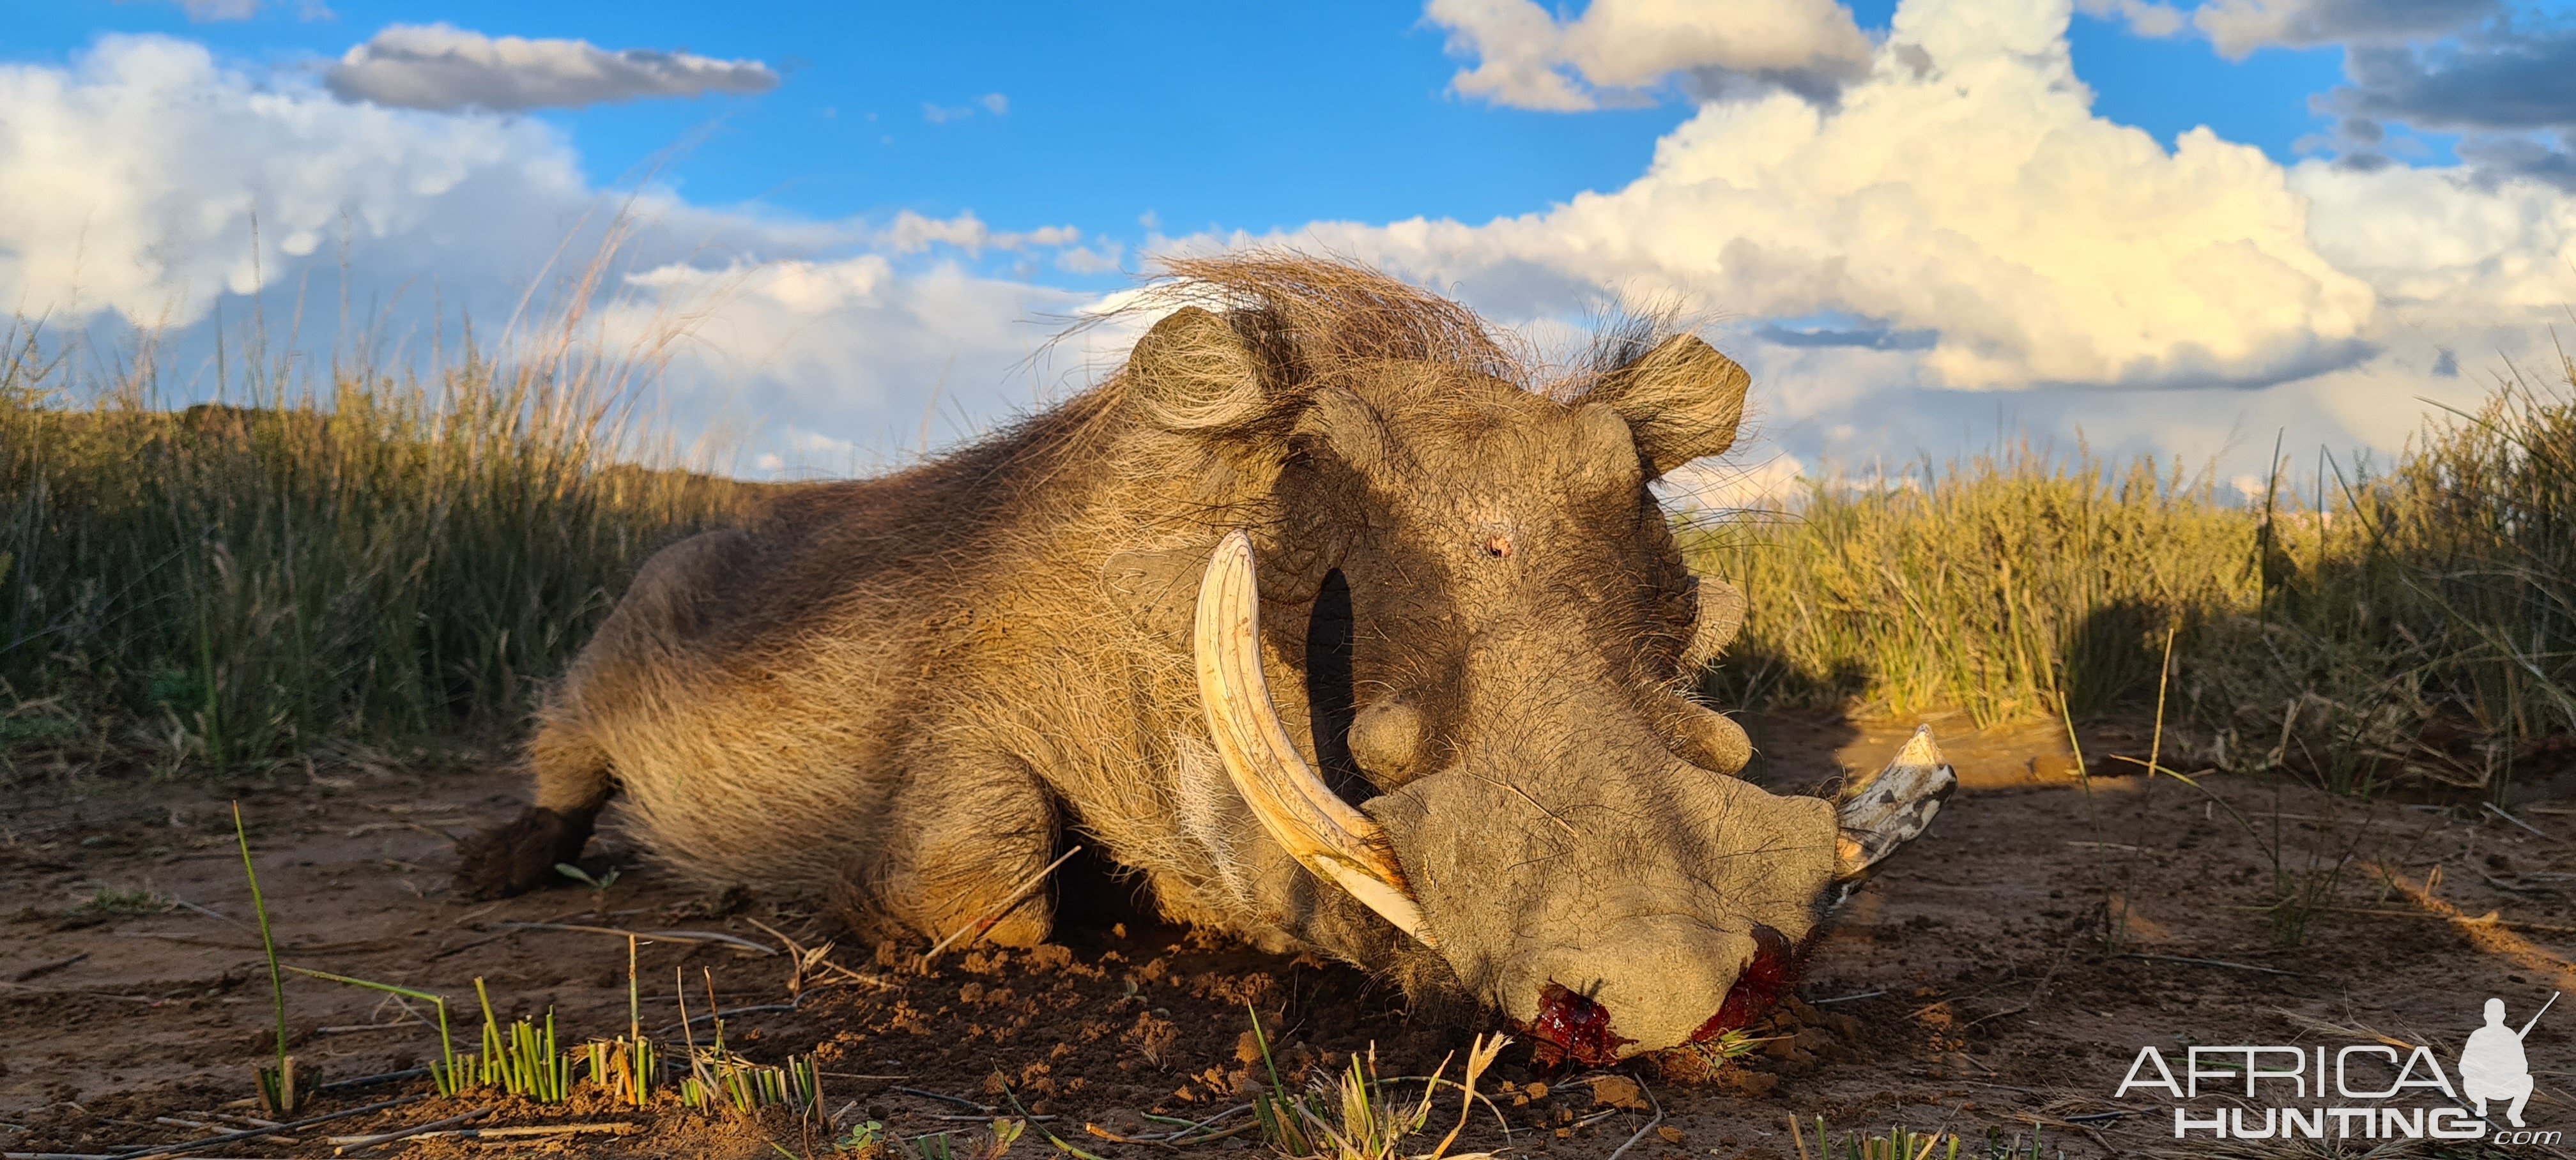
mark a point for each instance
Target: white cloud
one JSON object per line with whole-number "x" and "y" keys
{"x": 1761, "y": 479}
{"x": 1953, "y": 248}
{"x": 1104, "y": 258}
{"x": 994, "y": 103}
{"x": 912, "y": 233}
{"x": 437, "y": 66}
{"x": 1960, "y": 224}
{"x": 1529, "y": 58}
{"x": 886, "y": 361}
{"x": 1965, "y": 189}
{"x": 144, "y": 184}
{"x": 144, "y": 180}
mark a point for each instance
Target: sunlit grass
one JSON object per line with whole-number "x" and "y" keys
{"x": 373, "y": 551}
{"x": 2357, "y": 627}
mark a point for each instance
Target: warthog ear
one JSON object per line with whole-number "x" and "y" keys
{"x": 1192, "y": 372}
{"x": 1682, "y": 401}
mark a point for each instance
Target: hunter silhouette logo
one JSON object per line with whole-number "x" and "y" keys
{"x": 2492, "y": 1066}
{"x": 2384, "y": 1090}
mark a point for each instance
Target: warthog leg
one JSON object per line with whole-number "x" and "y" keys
{"x": 962, "y": 835}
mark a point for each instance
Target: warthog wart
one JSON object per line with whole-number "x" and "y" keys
{"x": 1322, "y": 614}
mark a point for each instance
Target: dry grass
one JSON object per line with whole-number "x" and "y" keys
{"x": 1996, "y": 585}
{"x": 364, "y": 552}
{"x": 2358, "y": 628}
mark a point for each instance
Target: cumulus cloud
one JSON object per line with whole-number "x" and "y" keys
{"x": 888, "y": 362}
{"x": 1529, "y": 58}
{"x": 438, "y": 66}
{"x": 143, "y": 185}
{"x": 1964, "y": 192}
{"x": 144, "y": 180}
{"x": 1954, "y": 249}
{"x": 1959, "y": 246}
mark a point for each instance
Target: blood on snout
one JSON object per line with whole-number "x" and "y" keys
{"x": 1772, "y": 972}
{"x": 1571, "y": 1028}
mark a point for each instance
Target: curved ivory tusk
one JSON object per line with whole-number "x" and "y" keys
{"x": 1887, "y": 811}
{"x": 1324, "y": 833}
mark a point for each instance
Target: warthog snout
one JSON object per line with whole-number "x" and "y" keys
{"x": 1614, "y": 913}
{"x": 1600, "y": 891}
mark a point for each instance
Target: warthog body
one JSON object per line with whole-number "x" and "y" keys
{"x": 913, "y": 692}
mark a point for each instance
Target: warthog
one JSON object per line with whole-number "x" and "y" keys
{"x": 1319, "y": 615}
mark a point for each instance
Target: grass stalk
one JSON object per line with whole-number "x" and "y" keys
{"x": 278, "y": 1086}
{"x": 444, "y": 1075}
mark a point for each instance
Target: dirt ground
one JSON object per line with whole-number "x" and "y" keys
{"x": 1996, "y": 981}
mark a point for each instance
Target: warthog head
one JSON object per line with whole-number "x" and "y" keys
{"x": 1492, "y": 623}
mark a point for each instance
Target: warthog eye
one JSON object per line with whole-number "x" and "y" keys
{"x": 1499, "y": 547}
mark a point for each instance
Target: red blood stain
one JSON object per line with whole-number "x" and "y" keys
{"x": 1772, "y": 972}
{"x": 1572, "y": 1028}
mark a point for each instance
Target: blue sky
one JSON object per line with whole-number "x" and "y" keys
{"x": 1205, "y": 115}
{"x": 1493, "y": 147}
{"x": 1223, "y": 116}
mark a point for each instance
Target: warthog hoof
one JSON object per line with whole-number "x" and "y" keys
{"x": 520, "y": 856}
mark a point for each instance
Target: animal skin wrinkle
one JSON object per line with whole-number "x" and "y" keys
{"x": 1533, "y": 803}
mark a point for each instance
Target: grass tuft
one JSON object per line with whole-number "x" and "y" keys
{"x": 1355, "y": 1116}
{"x": 112, "y": 900}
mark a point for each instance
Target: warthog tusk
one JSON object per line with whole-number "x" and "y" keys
{"x": 1324, "y": 833}
{"x": 1878, "y": 815}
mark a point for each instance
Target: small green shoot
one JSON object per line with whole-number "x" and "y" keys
{"x": 523, "y": 1060}
{"x": 1729, "y": 1046}
{"x": 598, "y": 885}
{"x": 278, "y": 1091}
